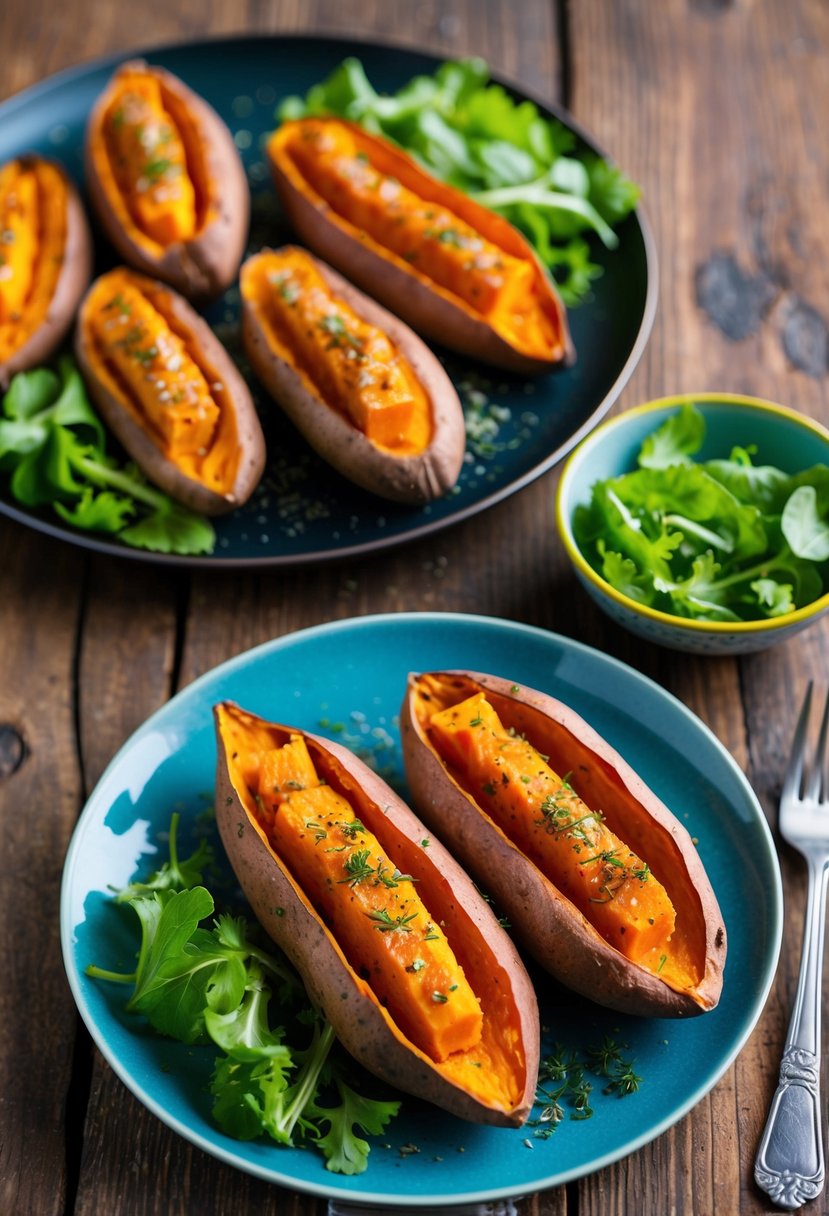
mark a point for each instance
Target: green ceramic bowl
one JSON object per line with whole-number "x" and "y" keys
{"x": 782, "y": 437}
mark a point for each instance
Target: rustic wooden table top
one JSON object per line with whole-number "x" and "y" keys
{"x": 717, "y": 107}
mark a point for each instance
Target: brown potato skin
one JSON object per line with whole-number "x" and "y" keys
{"x": 432, "y": 314}
{"x": 407, "y": 479}
{"x": 205, "y": 266}
{"x": 71, "y": 285}
{"x": 549, "y": 926}
{"x": 359, "y": 1021}
{"x": 141, "y": 447}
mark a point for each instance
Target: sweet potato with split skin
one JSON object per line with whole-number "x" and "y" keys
{"x": 600, "y": 881}
{"x": 45, "y": 261}
{"x": 393, "y": 941}
{"x": 365, "y": 392}
{"x": 169, "y": 391}
{"x": 167, "y": 181}
{"x": 457, "y": 272}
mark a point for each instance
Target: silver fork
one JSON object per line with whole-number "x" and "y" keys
{"x": 789, "y": 1164}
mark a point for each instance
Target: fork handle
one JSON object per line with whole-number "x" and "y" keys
{"x": 789, "y": 1165}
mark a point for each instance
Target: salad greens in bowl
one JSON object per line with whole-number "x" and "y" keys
{"x": 701, "y": 522}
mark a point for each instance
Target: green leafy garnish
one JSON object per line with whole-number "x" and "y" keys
{"x": 214, "y": 985}
{"x": 473, "y": 135}
{"x": 716, "y": 540}
{"x": 53, "y": 450}
{"x": 563, "y": 1084}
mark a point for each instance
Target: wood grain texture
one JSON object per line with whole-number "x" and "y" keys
{"x": 39, "y": 799}
{"x": 718, "y": 110}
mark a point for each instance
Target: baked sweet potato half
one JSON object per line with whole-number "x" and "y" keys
{"x": 454, "y": 270}
{"x": 364, "y": 390}
{"x": 600, "y": 881}
{"x": 394, "y": 943}
{"x": 45, "y": 261}
{"x": 166, "y": 181}
{"x": 169, "y": 391}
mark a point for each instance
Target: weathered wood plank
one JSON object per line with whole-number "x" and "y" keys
{"x": 41, "y": 588}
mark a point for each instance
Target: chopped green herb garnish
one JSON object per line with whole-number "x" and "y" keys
{"x": 357, "y": 868}
{"x": 388, "y": 924}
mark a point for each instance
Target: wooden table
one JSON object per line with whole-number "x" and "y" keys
{"x": 718, "y": 108}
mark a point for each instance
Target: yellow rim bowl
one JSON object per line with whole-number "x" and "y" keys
{"x": 567, "y": 499}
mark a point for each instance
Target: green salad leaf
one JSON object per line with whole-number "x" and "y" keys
{"x": 215, "y": 984}
{"x": 719, "y": 540}
{"x": 472, "y": 134}
{"x": 53, "y": 449}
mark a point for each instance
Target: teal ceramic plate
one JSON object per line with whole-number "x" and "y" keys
{"x": 349, "y": 677}
{"x": 303, "y": 511}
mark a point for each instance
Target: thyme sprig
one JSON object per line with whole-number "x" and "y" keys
{"x": 563, "y": 1084}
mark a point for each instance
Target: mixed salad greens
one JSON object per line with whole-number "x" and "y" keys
{"x": 714, "y": 540}
{"x": 214, "y": 985}
{"x": 472, "y": 134}
{"x": 53, "y": 451}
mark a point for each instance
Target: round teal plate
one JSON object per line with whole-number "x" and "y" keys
{"x": 347, "y": 679}
{"x": 303, "y": 511}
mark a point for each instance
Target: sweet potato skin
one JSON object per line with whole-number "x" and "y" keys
{"x": 206, "y": 265}
{"x": 547, "y": 924}
{"x": 360, "y": 1022}
{"x": 73, "y": 281}
{"x": 407, "y": 479}
{"x": 430, "y": 311}
{"x": 138, "y": 442}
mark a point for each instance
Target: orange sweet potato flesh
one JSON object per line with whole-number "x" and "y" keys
{"x": 351, "y": 364}
{"x": 146, "y": 152}
{"x": 33, "y": 218}
{"x": 434, "y": 232}
{"x": 554, "y": 775}
{"x": 135, "y": 346}
{"x": 374, "y": 911}
{"x": 569, "y": 842}
{"x": 480, "y": 1044}
{"x": 149, "y": 162}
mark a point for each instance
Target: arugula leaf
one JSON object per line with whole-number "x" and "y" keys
{"x": 235, "y": 1086}
{"x": 163, "y": 961}
{"x": 473, "y": 134}
{"x": 720, "y": 540}
{"x": 346, "y": 1152}
{"x": 52, "y": 445}
{"x": 175, "y": 874}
